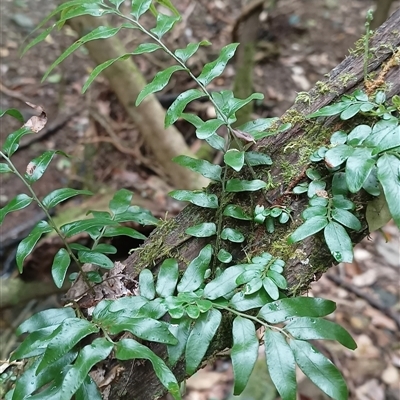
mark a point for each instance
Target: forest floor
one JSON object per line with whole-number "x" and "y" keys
{"x": 300, "y": 42}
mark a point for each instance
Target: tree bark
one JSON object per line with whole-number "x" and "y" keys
{"x": 305, "y": 261}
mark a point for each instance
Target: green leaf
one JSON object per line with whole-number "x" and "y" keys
{"x": 146, "y": 284}
{"x": 253, "y": 158}
{"x": 45, "y": 319}
{"x": 319, "y": 369}
{"x": 224, "y": 283}
{"x": 121, "y": 201}
{"x": 139, "y": 7}
{"x": 40, "y": 37}
{"x": 137, "y": 214}
{"x": 216, "y": 142}
{"x": 59, "y": 195}
{"x": 190, "y": 50}
{"x": 234, "y": 211}
{"x": 113, "y": 231}
{"x": 315, "y": 211}
{"x": 244, "y": 352}
{"x": 278, "y": 279}
{"x": 371, "y": 184}
{"x": 90, "y": 8}
{"x": 60, "y": 266}
{"x": 350, "y": 112}
{"x": 234, "y": 158}
{"x": 271, "y": 288}
{"x": 73, "y": 228}
{"x": 205, "y": 229}
{"x": 358, "y": 134}
{"x": 310, "y": 227}
{"x": 238, "y": 185}
{"x": 164, "y": 24}
{"x": 209, "y": 128}
{"x": 27, "y": 245}
{"x": 158, "y": 83}
{"x": 338, "y": 137}
{"x": 167, "y": 278}
{"x": 17, "y": 203}
{"x": 338, "y": 155}
{"x": 339, "y": 242}
{"x": 200, "y": 338}
{"x": 284, "y": 309}
{"x": 39, "y": 165}
{"x": 312, "y": 328}
{"x": 13, "y": 112}
{"x": 129, "y": 349}
{"x": 358, "y": 167}
{"x": 104, "y": 248}
{"x": 244, "y": 302}
{"x": 339, "y": 201}
{"x": 377, "y": 213}
{"x": 385, "y": 136}
{"x": 328, "y": 111}
{"x": 117, "y": 3}
{"x": 314, "y": 187}
{"x": 346, "y": 218}
{"x": 11, "y": 143}
{"x": 4, "y": 168}
{"x": 92, "y": 257}
{"x": 339, "y": 185}
{"x": 195, "y": 271}
{"x": 192, "y": 311}
{"x": 89, "y": 356}
{"x": 65, "y": 337}
{"x": 180, "y": 329}
{"x": 176, "y": 108}
{"x": 389, "y": 177}
{"x": 215, "y": 68}
{"x": 88, "y": 390}
{"x": 258, "y": 126}
{"x": 155, "y": 309}
{"x": 198, "y": 198}
{"x": 203, "y": 167}
{"x": 233, "y": 235}
{"x": 224, "y": 256}
{"x": 281, "y": 364}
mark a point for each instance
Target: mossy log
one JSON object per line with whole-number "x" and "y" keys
{"x": 306, "y": 261}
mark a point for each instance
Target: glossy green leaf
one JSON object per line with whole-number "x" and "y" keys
{"x": 328, "y": 111}
{"x": 167, "y": 278}
{"x": 113, "y": 231}
{"x": 155, "y": 309}
{"x": 120, "y": 201}
{"x": 314, "y": 187}
{"x": 73, "y": 228}
{"x": 340, "y": 201}
{"x": 234, "y": 211}
{"x": 319, "y": 369}
{"x": 284, "y": 309}
{"x": 258, "y": 126}
{"x": 129, "y": 349}
{"x": 224, "y": 256}
{"x": 271, "y": 288}
{"x": 346, "y": 218}
{"x": 215, "y": 68}
{"x": 339, "y": 242}
{"x": 195, "y": 271}
{"x": 203, "y": 167}
{"x": 117, "y": 3}
{"x": 65, "y": 337}
{"x": 146, "y": 284}
{"x": 377, "y": 213}
{"x": 301, "y": 188}
{"x": 358, "y": 134}
{"x": 4, "y": 168}
{"x": 316, "y": 328}
{"x": 205, "y": 229}
{"x": 139, "y": 7}
{"x": 216, "y": 142}
{"x": 238, "y": 185}
{"x": 89, "y": 356}
{"x": 88, "y": 390}
{"x": 371, "y": 184}
{"x": 224, "y": 283}
{"x": 339, "y": 184}
{"x": 158, "y": 83}
{"x": 389, "y": 177}
{"x": 164, "y": 24}
{"x": 60, "y": 266}
{"x": 11, "y": 143}
{"x": 253, "y": 158}
{"x": 385, "y": 135}
{"x": 338, "y": 155}
{"x": 59, "y": 195}
{"x": 190, "y": 50}
{"x": 39, "y": 165}
{"x": 92, "y": 257}
{"x": 40, "y": 37}
{"x": 281, "y": 364}
{"x": 13, "y": 112}
{"x": 234, "y": 158}
{"x": 358, "y": 167}
{"x": 338, "y": 137}
{"x": 93, "y": 9}
{"x": 315, "y": 211}
{"x": 192, "y": 311}
{"x": 209, "y": 128}
{"x": 17, "y": 203}
{"x": 137, "y": 214}
{"x": 244, "y": 352}
{"x": 351, "y": 111}
{"x": 105, "y": 248}
{"x": 180, "y": 329}
{"x": 278, "y": 279}
{"x": 310, "y": 227}
{"x": 200, "y": 338}
{"x": 233, "y": 235}
{"x": 245, "y": 302}
{"x": 176, "y": 108}
{"x": 27, "y": 245}
{"x": 198, "y": 198}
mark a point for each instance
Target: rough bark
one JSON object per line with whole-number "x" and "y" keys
{"x": 306, "y": 261}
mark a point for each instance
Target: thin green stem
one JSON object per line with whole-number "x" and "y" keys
{"x": 366, "y": 42}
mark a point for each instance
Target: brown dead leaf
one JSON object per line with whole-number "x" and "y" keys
{"x": 36, "y": 123}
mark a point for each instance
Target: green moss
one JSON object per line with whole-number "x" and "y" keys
{"x": 323, "y": 87}
{"x": 303, "y": 97}
{"x": 344, "y": 79}
{"x": 293, "y": 117}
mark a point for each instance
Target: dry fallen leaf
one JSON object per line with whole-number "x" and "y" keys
{"x": 36, "y": 123}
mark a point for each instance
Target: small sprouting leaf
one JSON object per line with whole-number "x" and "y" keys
{"x": 284, "y": 309}
{"x": 65, "y": 337}
{"x": 121, "y": 201}
{"x": 215, "y": 68}
{"x": 146, "y": 284}
{"x": 195, "y": 271}
{"x": 234, "y": 211}
{"x": 316, "y": 328}
{"x": 339, "y": 242}
{"x": 233, "y": 235}
{"x": 310, "y": 227}
{"x": 27, "y": 245}
{"x": 13, "y": 112}
{"x": 200, "y": 338}
{"x": 351, "y": 111}
{"x": 158, "y": 83}
{"x": 389, "y": 177}
{"x": 129, "y": 349}
{"x": 380, "y": 97}
{"x": 224, "y": 283}
{"x": 358, "y": 167}
{"x": 203, "y": 167}
{"x": 234, "y": 158}
{"x": 346, "y": 218}
{"x": 113, "y": 231}
{"x": 319, "y": 369}
{"x": 139, "y": 7}
{"x": 164, "y": 24}
{"x": 167, "y": 278}
{"x": 329, "y": 110}
{"x": 17, "y": 203}
{"x": 60, "y": 266}
{"x": 271, "y": 288}
{"x": 253, "y": 158}
{"x": 90, "y": 355}
{"x": 209, "y": 128}
{"x": 338, "y": 155}
{"x": 11, "y": 143}
{"x": 224, "y": 256}
{"x": 377, "y": 213}
{"x": 238, "y": 185}
{"x": 198, "y": 198}
{"x": 180, "y": 329}
{"x": 45, "y": 319}
{"x": 244, "y": 352}
{"x": 59, "y": 195}
{"x": 281, "y": 364}
{"x": 175, "y": 110}
{"x": 91, "y": 257}
{"x": 205, "y": 229}
{"x": 191, "y": 48}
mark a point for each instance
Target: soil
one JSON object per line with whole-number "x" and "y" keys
{"x": 300, "y": 42}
